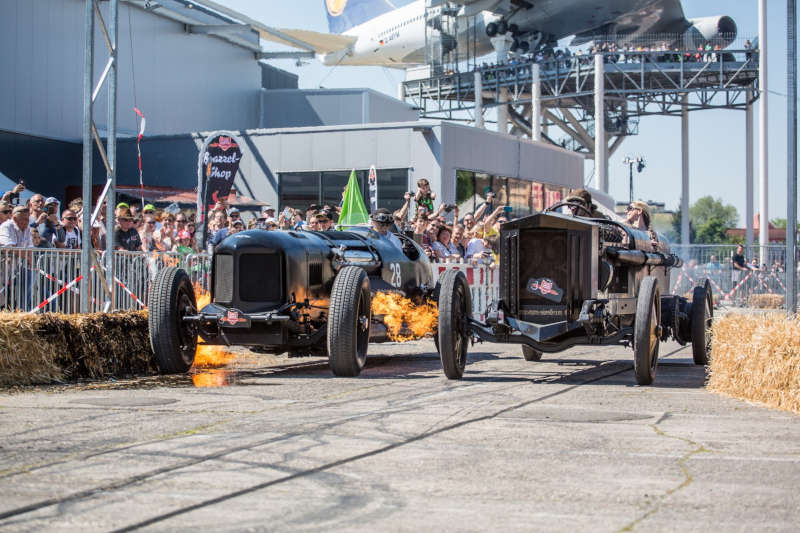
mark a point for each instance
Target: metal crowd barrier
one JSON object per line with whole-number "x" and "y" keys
{"x": 48, "y": 280}
{"x": 484, "y": 284}
{"x": 732, "y": 287}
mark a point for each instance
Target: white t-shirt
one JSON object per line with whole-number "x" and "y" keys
{"x": 72, "y": 239}
{"x": 475, "y": 246}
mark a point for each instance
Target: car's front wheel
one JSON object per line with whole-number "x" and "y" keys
{"x": 349, "y": 318}
{"x": 646, "y": 331}
{"x": 454, "y": 310}
{"x": 174, "y": 341}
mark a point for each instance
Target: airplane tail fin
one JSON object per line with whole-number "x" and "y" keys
{"x": 344, "y": 14}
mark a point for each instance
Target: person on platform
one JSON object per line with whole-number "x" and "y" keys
{"x": 381, "y": 220}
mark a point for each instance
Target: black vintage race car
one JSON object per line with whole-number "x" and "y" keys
{"x": 302, "y": 292}
{"x": 569, "y": 280}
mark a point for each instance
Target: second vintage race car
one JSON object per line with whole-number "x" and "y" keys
{"x": 302, "y": 292}
{"x": 576, "y": 280}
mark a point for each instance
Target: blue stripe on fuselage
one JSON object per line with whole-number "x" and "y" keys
{"x": 344, "y": 14}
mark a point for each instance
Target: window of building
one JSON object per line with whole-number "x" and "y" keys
{"x": 523, "y": 196}
{"x": 301, "y": 189}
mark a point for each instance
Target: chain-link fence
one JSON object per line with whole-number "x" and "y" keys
{"x": 48, "y": 280}
{"x": 761, "y": 285}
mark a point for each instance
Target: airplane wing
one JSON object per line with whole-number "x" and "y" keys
{"x": 320, "y": 43}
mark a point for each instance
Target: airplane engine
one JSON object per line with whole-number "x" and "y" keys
{"x": 719, "y": 30}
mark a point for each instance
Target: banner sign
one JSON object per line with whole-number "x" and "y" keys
{"x": 373, "y": 189}
{"x": 218, "y": 164}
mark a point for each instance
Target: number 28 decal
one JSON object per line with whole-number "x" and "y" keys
{"x": 397, "y": 277}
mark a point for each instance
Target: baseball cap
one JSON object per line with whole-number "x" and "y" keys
{"x": 148, "y": 207}
{"x": 51, "y": 200}
{"x": 267, "y": 208}
{"x": 238, "y": 223}
{"x": 232, "y": 210}
{"x": 20, "y": 209}
{"x": 121, "y": 205}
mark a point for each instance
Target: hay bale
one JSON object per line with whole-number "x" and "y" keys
{"x": 757, "y": 357}
{"x": 25, "y": 357}
{"x": 56, "y": 347}
{"x": 766, "y": 301}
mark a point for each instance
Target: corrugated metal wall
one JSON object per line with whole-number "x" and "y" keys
{"x": 328, "y": 107}
{"x": 184, "y": 82}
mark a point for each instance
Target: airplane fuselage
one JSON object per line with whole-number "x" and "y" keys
{"x": 398, "y": 38}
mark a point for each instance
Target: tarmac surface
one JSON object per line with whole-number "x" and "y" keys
{"x": 569, "y": 443}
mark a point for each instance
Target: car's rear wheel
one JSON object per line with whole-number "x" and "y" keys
{"x": 174, "y": 341}
{"x": 646, "y": 334}
{"x": 454, "y": 310}
{"x": 531, "y": 354}
{"x": 702, "y": 315}
{"x": 348, "y": 322}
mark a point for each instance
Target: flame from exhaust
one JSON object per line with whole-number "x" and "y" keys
{"x": 211, "y": 378}
{"x": 210, "y": 357}
{"x": 405, "y": 320}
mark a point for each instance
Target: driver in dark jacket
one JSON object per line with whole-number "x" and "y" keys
{"x": 584, "y": 198}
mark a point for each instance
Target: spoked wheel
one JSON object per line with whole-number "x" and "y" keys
{"x": 455, "y": 307}
{"x": 646, "y": 331}
{"x": 531, "y": 354}
{"x": 348, "y": 322}
{"x": 173, "y": 341}
{"x": 702, "y": 315}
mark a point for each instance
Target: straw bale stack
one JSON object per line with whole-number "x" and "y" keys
{"x": 766, "y": 301}
{"x": 757, "y": 357}
{"x": 51, "y": 347}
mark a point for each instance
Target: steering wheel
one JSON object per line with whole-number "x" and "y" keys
{"x": 570, "y": 204}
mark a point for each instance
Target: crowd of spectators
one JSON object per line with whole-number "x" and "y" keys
{"x": 42, "y": 223}
{"x": 663, "y": 52}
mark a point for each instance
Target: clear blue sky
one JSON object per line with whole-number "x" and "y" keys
{"x": 717, "y": 138}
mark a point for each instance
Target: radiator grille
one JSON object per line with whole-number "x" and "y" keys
{"x": 223, "y": 278}
{"x": 260, "y": 278}
{"x": 543, "y": 254}
{"x": 315, "y": 274}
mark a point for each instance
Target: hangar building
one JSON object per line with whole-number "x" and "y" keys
{"x": 188, "y": 76}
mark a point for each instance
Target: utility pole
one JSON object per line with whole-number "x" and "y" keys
{"x": 763, "y": 132}
{"x": 640, "y": 165}
{"x": 791, "y": 177}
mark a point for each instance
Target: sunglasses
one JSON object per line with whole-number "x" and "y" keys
{"x": 631, "y": 208}
{"x": 234, "y": 215}
{"x": 151, "y": 223}
{"x": 71, "y": 218}
{"x": 5, "y": 211}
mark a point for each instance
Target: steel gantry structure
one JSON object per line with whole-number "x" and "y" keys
{"x": 613, "y": 89}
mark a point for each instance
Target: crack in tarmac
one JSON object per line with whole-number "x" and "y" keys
{"x": 682, "y": 464}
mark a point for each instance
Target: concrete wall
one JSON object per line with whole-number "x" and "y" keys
{"x": 184, "y": 82}
{"x": 328, "y": 107}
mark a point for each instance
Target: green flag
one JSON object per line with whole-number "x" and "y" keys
{"x": 354, "y": 212}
